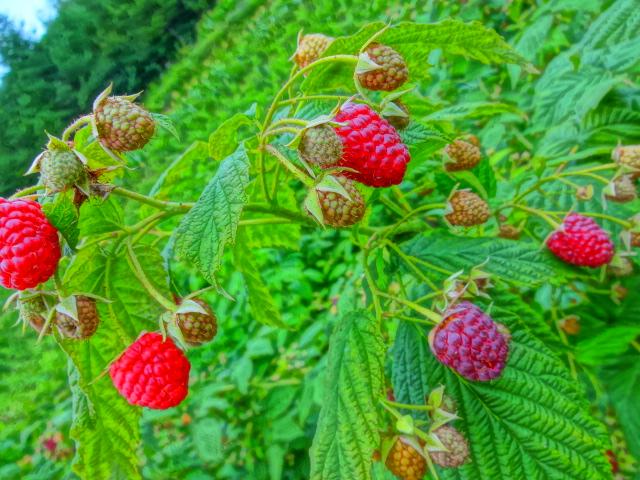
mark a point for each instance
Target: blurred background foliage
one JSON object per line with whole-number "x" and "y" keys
{"x": 256, "y": 390}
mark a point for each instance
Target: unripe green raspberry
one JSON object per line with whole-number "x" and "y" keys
{"x": 461, "y": 155}
{"x": 622, "y": 190}
{"x": 399, "y": 122}
{"x": 339, "y": 211}
{"x": 60, "y": 170}
{"x": 33, "y": 311}
{"x": 85, "y": 325}
{"x": 629, "y": 156}
{"x": 392, "y": 73}
{"x": 123, "y": 125}
{"x": 321, "y": 146}
{"x": 456, "y": 444}
{"x": 467, "y": 209}
{"x": 198, "y": 328}
{"x": 405, "y": 462}
{"x": 310, "y": 47}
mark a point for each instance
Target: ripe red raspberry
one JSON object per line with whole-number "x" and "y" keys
{"x": 29, "y": 245}
{"x": 405, "y": 462}
{"x": 371, "y": 146}
{"x": 456, "y": 444}
{"x": 152, "y": 372}
{"x": 470, "y": 342}
{"x": 580, "y": 241}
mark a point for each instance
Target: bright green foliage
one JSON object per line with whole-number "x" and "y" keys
{"x": 532, "y": 423}
{"x": 349, "y": 420}
{"x": 213, "y": 221}
{"x": 214, "y": 211}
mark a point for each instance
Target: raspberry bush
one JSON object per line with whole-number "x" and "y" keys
{"x": 479, "y": 321}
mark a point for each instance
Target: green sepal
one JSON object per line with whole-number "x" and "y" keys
{"x": 365, "y": 64}
{"x": 312, "y": 205}
{"x": 405, "y": 424}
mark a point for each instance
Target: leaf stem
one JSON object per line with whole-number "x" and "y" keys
{"x": 26, "y": 191}
{"x": 289, "y": 166}
{"x": 79, "y": 123}
{"x": 153, "y": 202}
{"x": 430, "y": 314}
{"x": 144, "y": 280}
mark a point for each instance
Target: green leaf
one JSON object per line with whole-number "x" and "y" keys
{"x": 472, "y": 40}
{"x": 212, "y": 222}
{"x": 336, "y": 75}
{"x": 164, "y": 122}
{"x": 349, "y": 423}
{"x": 99, "y": 216}
{"x": 606, "y": 345}
{"x": 207, "y": 438}
{"x": 623, "y": 386}
{"x": 105, "y": 426}
{"x": 224, "y": 141}
{"x": 533, "y": 422}
{"x": 518, "y": 262}
{"x": 263, "y": 306}
{"x": 63, "y": 215}
{"x": 467, "y": 110}
{"x": 179, "y": 180}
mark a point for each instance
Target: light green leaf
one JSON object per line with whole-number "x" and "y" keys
{"x": 224, "y": 140}
{"x": 623, "y": 386}
{"x": 606, "y": 345}
{"x": 105, "y": 426}
{"x": 349, "y": 423}
{"x": 533, "y": 422}
{"x": 472, "y": 40}
{"x": 518, "y": 262}
{"x": 63, "y": 215}
{"x": 212, "y": 222}
{"x": 472, "y": 110}
{"x": 207, "y": 438}
{"x": 99, "y": 216}
{"x": 263, "y": 306}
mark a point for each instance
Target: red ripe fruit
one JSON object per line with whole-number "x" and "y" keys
{"x": 152, "y": 372}
{"x": 371, "y": 146}
{"x": 580, "y": 241}
{"x": 29, "y": 245}
{"x": 470, "y": 342}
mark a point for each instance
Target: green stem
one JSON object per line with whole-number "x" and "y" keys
{"x": 79, "y": 123}
{"x": 263, "y": 221}
{"x": 430, "y": 314}
{"x": 283, "y": 122}
{"x": 539, "y": 213}
{"x": 272, "y": 132}
{"x": 300, "y": 73}
{"x": 372, "y": 285}
{"x": 142, "y": 278}
{"x": 289, "y": 166}
{"x": 153, "y": 202}
{"x": 304, "y": 98}
{"x": 406, "y": 406}
{"x": 604, "y": 216}
{"x": 26, "y": 191}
